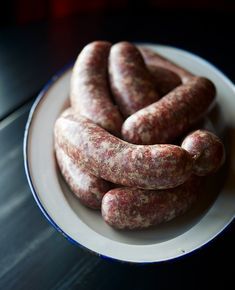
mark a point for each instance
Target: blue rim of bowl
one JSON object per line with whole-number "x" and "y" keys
{"x": 30, "y": 182}
{"x": 33, "y": 109}
{"x": 25, "y": 146}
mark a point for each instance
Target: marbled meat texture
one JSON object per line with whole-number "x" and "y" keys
{"x": 153, "y": 58}
{"x": 206, "y": 149}
{"x": 172, "y": 115}
{"x": 90, "y": 93}
{"x": 130, "y": 80}
{"x": 110, "y": 158}
{"x": 132, "y": 208}
{"x": 88, "y": 188}
{"x": 164, "y": 79}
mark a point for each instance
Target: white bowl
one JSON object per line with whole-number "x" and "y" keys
{"x": 86, "y": 227}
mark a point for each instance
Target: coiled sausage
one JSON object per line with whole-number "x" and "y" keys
{"x": 132, "y": 208}
{"x": 153, "y": 58}
{"x": 164, "y": 79}
{"x": 130, "y": 80}
{"x": 172, "y": 115}
{"x": 108, "y": 157}
{"x": 90, "y": 94}
{"x": 88, "y": 188}
{"x": 206, "y": 149}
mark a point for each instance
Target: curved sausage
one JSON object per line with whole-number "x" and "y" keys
{"x": 88, "y": 188}
{"x": 132, "y": 208}
{"x": 90, "y": 94}
{"x": 153, "y": 58}
{"x": 130, "y": 80}
{"x": 175, "y": 113}
{"x": 164, "y": 79}
{"x": 108, "y": 157}
{"x": 206, "y": 149}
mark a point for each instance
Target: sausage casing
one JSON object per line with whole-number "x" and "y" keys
{"x": 153, "y": 58}
{"x": 164, "y": 79}
{"x": 130, "y": 80}
{"x": 132, "y": 208}
{"x": 172, "y": 115}
{"x": 88, "y": 188}
{"x": 90, "y": 93}
{"x": 108, "y": 157}
{"x": 206, "y": 149}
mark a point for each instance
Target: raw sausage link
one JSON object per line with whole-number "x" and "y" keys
{"x": 108, "y": 157}
{"x": 131, "y": 208}
{"x": 206, "y": 149}
{"x": 130, "y": 80}
{"x": 164, "y": 79}
{"x": 87, "y": 187}
{"x": 153, "y": 58}
{"x": 175, "y": 113}
{"x": 90, "y": 93}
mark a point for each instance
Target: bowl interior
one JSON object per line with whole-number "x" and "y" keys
{"x": 153, "y": 235}
{"x": 206, "y": 219}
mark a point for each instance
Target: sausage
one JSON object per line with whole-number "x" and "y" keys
{"x": 130, "y": 80}
{"x": 153, "y": 58}
{"x": 164, "y": 79}
{"x": 206, "y": 149}
{"x": 132, "y": 208}
{"x": 90, "y": 94}
{"x": 172, "y": 115}
{"x": 88, "y": 188}
{"x": 110, "y": 158}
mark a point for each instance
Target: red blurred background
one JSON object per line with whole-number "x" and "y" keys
{"x": 17, "y": 12}
{"x": 38, "y": 37}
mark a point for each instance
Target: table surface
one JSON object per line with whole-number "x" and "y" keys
{"x": 33, "y": 255}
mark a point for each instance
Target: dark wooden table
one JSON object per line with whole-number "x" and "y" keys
{"x": 32, "y": 254}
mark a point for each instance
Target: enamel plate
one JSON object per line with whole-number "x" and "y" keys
{"x": 214, "y": 211}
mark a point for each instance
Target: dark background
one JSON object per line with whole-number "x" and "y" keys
{"x": 37, "y": 38}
